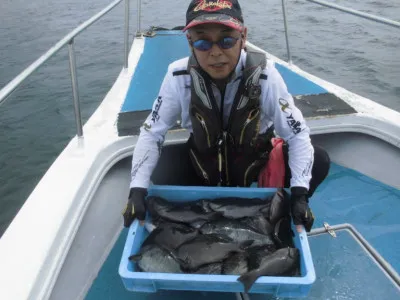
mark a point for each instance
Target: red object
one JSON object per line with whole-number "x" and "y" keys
{"x": 273, "y": 174}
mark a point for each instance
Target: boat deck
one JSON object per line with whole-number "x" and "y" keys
{"x": 312, "y": 99}
{"x": 344, "y": 269}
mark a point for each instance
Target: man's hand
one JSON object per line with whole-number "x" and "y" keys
{"x": 301, "y": 212}
{"x": 135, "y": 208}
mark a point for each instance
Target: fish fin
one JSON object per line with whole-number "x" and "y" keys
{"x": 248, "y": 279}
{"x": 135, "y": 257}
{"x": 246, "y": 244}
{"x": 174, "y": 255}
{"x": 265, "y": 209}
{"x": 276, "y": 233}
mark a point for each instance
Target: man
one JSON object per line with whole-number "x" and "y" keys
{"x": 231, "y": 101}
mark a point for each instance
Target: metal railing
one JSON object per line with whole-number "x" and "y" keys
{"x": 390, "y": 271}
{"x": 340, "y": 8}
{"x": 69, "y": 40}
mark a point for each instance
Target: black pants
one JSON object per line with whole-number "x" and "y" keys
{"x": 175, "y": 168}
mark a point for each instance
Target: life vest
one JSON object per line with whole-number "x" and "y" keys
{"x": 231, "y": 155}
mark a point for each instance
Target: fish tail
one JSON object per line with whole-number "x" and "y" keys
{"x": 246, "y": 244}
{"x": 248, "y": 279}
{"x": 135, "y": 257}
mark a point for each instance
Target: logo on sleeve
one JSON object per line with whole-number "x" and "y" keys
{"x": 146, "y": 126}
{"x": 285, "y": 107}
{"x": 154, "y": 115}
{"x": 139, "y": 164}
{"x": 295, "y": 125}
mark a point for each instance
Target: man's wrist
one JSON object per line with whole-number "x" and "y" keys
{"x": 137, "y": 190}
{"x": 298, "y": 191}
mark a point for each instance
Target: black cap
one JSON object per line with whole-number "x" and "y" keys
{"x": 225, "y": 12}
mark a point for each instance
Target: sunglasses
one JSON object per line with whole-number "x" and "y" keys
{"x": 224, "y": 43}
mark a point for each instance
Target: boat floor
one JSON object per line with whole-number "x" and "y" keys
{"x": 344, "y": 269}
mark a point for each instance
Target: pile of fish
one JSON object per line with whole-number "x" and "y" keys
{"x": 230, "y": 236}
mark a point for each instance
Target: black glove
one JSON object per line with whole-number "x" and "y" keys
{"x": 301, "y": 212}
{"x": 135, "y": 207}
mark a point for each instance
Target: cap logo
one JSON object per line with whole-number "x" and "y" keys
{"x": 213, "y": 5}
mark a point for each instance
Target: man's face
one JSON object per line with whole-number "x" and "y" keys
{"x": 217, "y": 62}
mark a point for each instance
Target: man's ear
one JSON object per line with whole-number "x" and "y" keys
{"x": 244, "y": 37}
{"x": 189, "y": 39}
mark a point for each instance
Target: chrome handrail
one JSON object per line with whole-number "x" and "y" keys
{"x": 357, "y": 13}
{"x": 286, "y": 32}
{"x": 354, "y": 12}
{"x": 69, "y": 40}
{"x": 126, "y": 35}
{"x": 139, "y": 16}
{"x": 390, "y": 271}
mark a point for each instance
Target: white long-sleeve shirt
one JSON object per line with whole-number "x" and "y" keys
{"x": 277, "y": 108}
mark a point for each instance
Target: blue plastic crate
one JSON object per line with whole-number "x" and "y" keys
{"x": 151, "y": 282}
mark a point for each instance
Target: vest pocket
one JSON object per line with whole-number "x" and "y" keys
{"x": 206, "y": 168}
{"x": 245, "y": 169}
{"x": 205, "y": 135}
{"x": 251, "y": 124}
{"x": 204, "y": 126}
{"x": 251, "y": 173}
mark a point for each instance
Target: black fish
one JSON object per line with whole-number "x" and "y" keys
{"x": 182, "y": 213}
{"x": 281, "y": 262}
{"x": 207, "y": 249}
{"x": 236, "y": 230}
{"x": 259, "y": 223}
{"x": 170, "y": 236}
{"x": 236, "y": 264}
{"x": 214, "y": 269}
{"x": 279, "y": 206}
{"x": 283, "y": 234}
{"x": 155, "y": 260}
{"x": 236, "y": 208}
{"x": 257, "y": 253}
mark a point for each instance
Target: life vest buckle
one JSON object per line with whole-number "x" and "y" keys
{"x": 254, "y": 91}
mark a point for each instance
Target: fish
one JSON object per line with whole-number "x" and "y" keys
{"x": 170, "y": 236}
{"x": 280, "y": 206}
{"x": 283, "y": 233}
{"x": 211, "y": 269}
{"x": 154, "y": 259}
{"x": 236, "y": 208}
{"x": 236, "y": 230}
{"x": 257, "y": 253}
{"x": 281, "y": 262}
{"x": 236, "y": 264}
{"x": 183, "y": 213}
{"x": 259, "y": 223}
{"x": 206, "y": 249}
